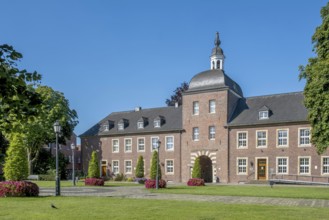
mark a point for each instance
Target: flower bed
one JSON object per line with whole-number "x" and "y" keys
{"x": 94, "y": 182}
{"x": 18, "y": 189}
{"x": 195, "y": 182}
{"x": 149, "y": 184}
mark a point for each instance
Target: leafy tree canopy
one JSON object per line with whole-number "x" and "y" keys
{"x": 316, "y": 90}
{"x": 177, "y": 96}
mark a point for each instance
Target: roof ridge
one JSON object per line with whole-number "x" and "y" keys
{"x": 278, "y": 94}
{"x": 144, "y": 109}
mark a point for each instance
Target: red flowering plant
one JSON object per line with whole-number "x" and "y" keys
{"x": 94, "y": 182}
{"x": 195, "y": 182}
{"x": 18, "y": 189}
{"x": 149, "y": 184}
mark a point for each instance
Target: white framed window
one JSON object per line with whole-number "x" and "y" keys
{"x": 128, "y": 167}
{"x": 195, "y": 135}
{"x": 242, "y": 165}
{"x": 282, "y": 137}
{"x": 261, "y": 138}
{"x": 263, "y": 115}
{"x": 140, "y": 125}
{"x": 115, "y": 166}
{"x": 325, "y": 165}
{"x": 212, "y": 106}
{"x": 195, "y": 108}
{"x": 121, "y": 126}
{"x": 140, "y": 144}
{"x": 115, "y": 146}
{"x": 157, "y": 123}
{"x": 242, "y": 138}
{"x": 304, "y": 165}
{"x": 106, "y": 127}
{"x": 304, "y": 135}
{"x": 154, "y": 143}
{"x": 170, "y": 167}
{"x": 212, "y": 132}
{"x": 170, "y": 143}
{"x": 282, "y": 165}
{"x": 128, "y": 143}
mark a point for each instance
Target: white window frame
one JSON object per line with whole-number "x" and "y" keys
{"x": 309, "y": 165}
{"x": 113, "y": 151}
{"x": 140, "y": 138}
{"x": 131, "y": 145}
{"x": 131, "y": 167}
{"x": 305, "y": 137}
{"x": 212, "y": 106}
{"x": 238, "y": 140}
{"x": 121, "y": 126}
{"x": 261, "y": 139}
{"x": 168, "y": 143}
{"x": 171, "y": 166}
{"x": 115, "y": 167}
{"x": 140, "y": 125}
{"x": 282, "y": 165}
{"x": 195, "y": 135}
{"x": 278, "y": 138}
{"x": 241, "y": 165}
{"x": 212, "y": 133}
{"x": 324, "y": 165}
{"x": 263, "y": 115}
{"x": 154, "y": 143}
{"x": 196, "y": 108}
{"x": 157, "y": 123}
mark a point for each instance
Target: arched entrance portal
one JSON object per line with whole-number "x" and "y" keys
{"x": 206, "y": 168}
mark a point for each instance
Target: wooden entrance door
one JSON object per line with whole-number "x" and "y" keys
{"x": 103, "y": 170}
{"x": 261, "y": 169}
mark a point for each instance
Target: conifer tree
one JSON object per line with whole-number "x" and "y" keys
{"x": 16, "y": 166}
{"x": 140, "y": 167}
{"x": 154, "y": 166}
{"x": 93, "y": 168}
{"x": 196, "y": 173}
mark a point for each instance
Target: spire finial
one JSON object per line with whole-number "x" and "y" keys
{"x": 217, "y": 41}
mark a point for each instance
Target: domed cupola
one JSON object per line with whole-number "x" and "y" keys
{"x": 217, "y": 56}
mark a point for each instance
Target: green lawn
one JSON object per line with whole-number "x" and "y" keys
{"x": 80, "y": 183}
{"x": 116, "y": 208}
{"x": 282, "y": 191}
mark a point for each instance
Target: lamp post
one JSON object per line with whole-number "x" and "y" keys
{"x": 73, "y": 162}
{"x": 157, "y": 176}
{"x": 57, "y": 129}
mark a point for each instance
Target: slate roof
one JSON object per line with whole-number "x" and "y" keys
{"x": 283, "y": 108}
{"x": 213, "y": 79}
{"x": 172, "y": 122}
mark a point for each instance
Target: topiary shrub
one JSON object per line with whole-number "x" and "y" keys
{"x": 93, "y": 168}
{"x": 18, "y": 189}
{"x": 196, "y": 172}
{"x": 140, "y": 167}
{"x": 154, "y": 167}
{"x": 94, "y": 182}
{"x": 195, "y": 182}
{"x": 151, "y": 184}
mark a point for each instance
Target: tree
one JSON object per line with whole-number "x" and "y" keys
{"x": 18, "y": 98}
{"x": 93, "y": 168}
{"x": 177, "y": 96}
{"x": 154, "y": 166}
{"x": 316, "y": 90}
{"x": 16, "y": 161}
{"x": 196, "y": 173}
{"x": 140, "y": 167}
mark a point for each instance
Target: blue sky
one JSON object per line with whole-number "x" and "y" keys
{"x": 108, "y": 56}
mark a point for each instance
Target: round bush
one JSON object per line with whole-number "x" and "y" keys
{"x": 149, "y": 184}
{"x": 18, "y": 189}
{"x": 195, "y": 182}
{"x": 94, "y": 182}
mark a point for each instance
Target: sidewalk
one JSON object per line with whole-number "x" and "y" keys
{"x": 139, "y": 192}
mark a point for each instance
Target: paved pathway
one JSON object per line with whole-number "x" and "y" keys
{"x": 139, "y": 192}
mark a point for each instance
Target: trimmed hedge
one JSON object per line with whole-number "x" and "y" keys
{"x": 151, "y": 184}
{"x": 94, "y": 182}
{"x": 195, "y": 182}
{"x": 18, "y": 189}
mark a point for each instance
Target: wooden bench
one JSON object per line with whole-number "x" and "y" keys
{"x": 33, "y": 177}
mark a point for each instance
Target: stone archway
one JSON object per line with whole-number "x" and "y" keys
{"x": 206, "y": 168}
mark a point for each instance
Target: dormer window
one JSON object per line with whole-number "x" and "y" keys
{"x": 159, "y": 121}
{"x": 263, "y": 115}
{"x": 122, "y": 124}
{"x": 140, "y": 125}
{"x": 106, "y": 127}
{"x": 142, "y": 122}
{"x": 157, "y": 124}
{"x": 121, "y": 127}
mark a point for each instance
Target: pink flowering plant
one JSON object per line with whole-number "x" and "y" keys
{"x": 149, "y": 184}
{"x": 195, "y": 182}
{"x": 18, "y": 189}
{"x": 94, "y": 182}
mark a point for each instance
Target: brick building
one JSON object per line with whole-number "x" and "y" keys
{"x": 238, "y": 139}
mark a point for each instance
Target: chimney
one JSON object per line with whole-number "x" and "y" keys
{"x": 137, "y": 109}
{"x": 176, "y": 104}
